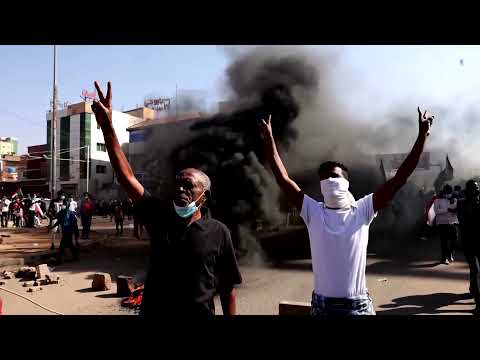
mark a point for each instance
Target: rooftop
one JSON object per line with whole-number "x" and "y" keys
{"x": 168, "y": 120}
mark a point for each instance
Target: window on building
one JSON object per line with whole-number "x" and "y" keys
{"x": 101, "y": 147}
{"x": 101, "y": 169}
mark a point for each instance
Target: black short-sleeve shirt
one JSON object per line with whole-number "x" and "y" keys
{"x": 189, "y": 265}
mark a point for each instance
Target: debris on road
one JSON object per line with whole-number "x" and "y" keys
{"x": 382, "y": 280}
{"x": 101, "y": 282}
{"x": 26, "y": 272}
{"x": 33, "y": 289}
{"x": 50, "y": 279}
{"x": 7, "y": 275}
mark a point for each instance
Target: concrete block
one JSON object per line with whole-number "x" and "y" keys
{"x": 101, "y": 282}
{"x": 293, "y": 308}
{"x": 42, "y": 271}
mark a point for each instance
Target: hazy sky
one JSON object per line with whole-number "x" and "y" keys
{"x": 366, "y": 77}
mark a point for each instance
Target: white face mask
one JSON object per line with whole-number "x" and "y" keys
{"x": 335, "y": 193}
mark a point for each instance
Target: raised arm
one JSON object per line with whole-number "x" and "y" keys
{"x": 103, "y": 113}
{"x": 289, "y": 187}
{"x": 387, "y": 191}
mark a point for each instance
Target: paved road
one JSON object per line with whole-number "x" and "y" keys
{"x": 397, "y": 287}
{"x": 411, "y": 284}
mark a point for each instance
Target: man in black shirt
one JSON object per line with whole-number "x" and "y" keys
{"x": 192, "y": 256}
{"x": 468, "y": 217}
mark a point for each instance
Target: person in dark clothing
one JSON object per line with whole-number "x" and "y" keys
{"x": 87, "y": 209}
{"x": 128, "y": 208}
{"x": 68, "y": 222}
{"x": 118, "y": 215}
{"x": 457, "y": 195}
{"x": 192, "y": 256}
{"x": 28, "y": 212}
{"x": 137, "y": 227}
{"x": 469, "y": 217}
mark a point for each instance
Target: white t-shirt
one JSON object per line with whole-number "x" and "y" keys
{"x": 443, "y": 216}
{"x": 5, "y": 205}
{"x": 338, "y": 243}
{"x": 73, "y": 205}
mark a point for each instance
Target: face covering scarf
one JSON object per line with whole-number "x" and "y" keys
{"x": 335, "y": 193}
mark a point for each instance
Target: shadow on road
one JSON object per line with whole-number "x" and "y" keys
{"x": 301, "y": 266}
{"x": 430, "y": 265}
{"x": 108, "y": 296}
{"x": 400, "y": 268}
{"x": 430, "y": 304}
{"x": 86, "y": 290}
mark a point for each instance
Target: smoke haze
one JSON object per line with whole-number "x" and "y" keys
{"x": 311, "y": 124}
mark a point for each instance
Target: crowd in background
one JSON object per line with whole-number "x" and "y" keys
{"x": 28, "y": 211}
{"x": 454, "y": 214}
{"x": 22, "y": 211}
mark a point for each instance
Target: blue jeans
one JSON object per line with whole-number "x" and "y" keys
{"x": 357, "y": 305}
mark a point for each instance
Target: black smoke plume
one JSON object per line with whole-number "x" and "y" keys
{"x": 294, "y": 86}
{"x": 228, "y": 147}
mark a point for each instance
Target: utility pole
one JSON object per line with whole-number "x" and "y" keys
{"x": 176, "y": 100}
{"x": 54, "y": 125}
{"x": 88, "y": 165}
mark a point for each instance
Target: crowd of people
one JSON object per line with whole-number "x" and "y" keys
{"x": 192, "y": 256}
{"x": 22, "y": 211}
{"x": 453, "y": 214}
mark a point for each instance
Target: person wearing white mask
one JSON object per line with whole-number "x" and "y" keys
{"x": 338, "y": 227}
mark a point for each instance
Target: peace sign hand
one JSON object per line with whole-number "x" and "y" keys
{"x": 424, "y": 122}
{"x": 266, "y": 129}
{"x": 103, "y": 108}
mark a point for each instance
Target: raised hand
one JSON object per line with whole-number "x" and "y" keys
{"x": 103, "y": 108}
{"x": 266, "y": 129}
{"x": 424, "y": 122}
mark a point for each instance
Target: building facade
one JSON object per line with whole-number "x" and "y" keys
{"x": 155, "y": 140}
{"x": 8, "y": 146}
{"x": 78, "y": 138}
{"x": 12, "y": 168}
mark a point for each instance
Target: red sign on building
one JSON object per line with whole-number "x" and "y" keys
{"x": 88, "y": 95}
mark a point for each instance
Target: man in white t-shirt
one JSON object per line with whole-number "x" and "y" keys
{"x": 445, "y": 208}
{"x": 4, "y": 204}
{"x": 73, "y": 205}
{"x": 338, "y": 227}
